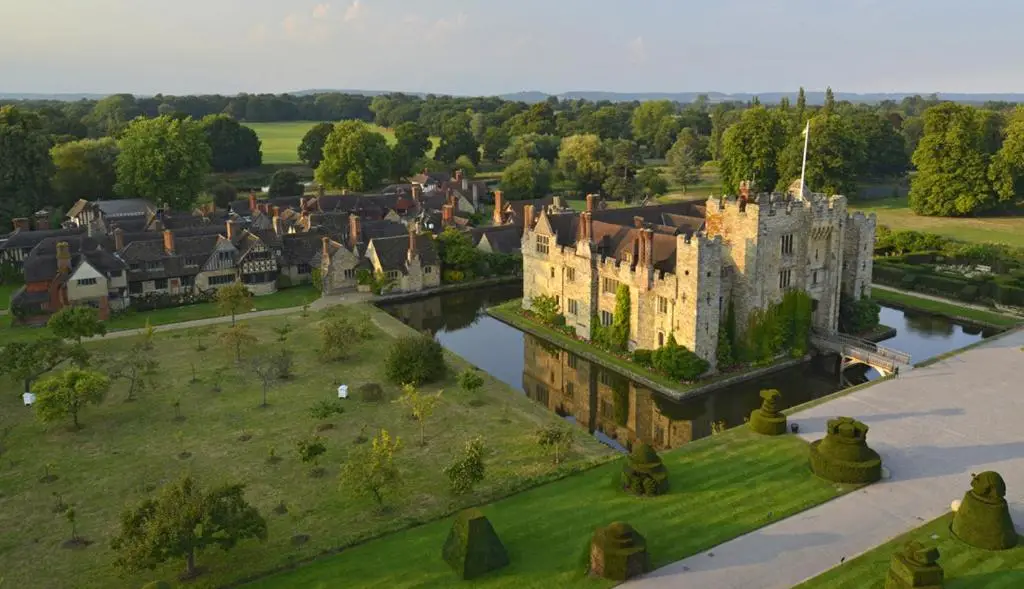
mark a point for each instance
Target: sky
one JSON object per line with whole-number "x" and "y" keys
{"x": 485, "y": 47}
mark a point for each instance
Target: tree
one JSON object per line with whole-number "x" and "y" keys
{"x": 652, "y": 182}
{"x": 232, "y": 299}
{"x": 415, "y": 359}
{"x": 338, "y": 334}
{"x": 84, "y": 169}
{"x": 285, "y": 183}
{"x": 649, "y": 117}
{"x": 466, "y": 165}
{"x": 952, "y": 167}
{"x": 236, "y": 337}
{"x": 750, "y": 149}
{"x": 458, "y": 252}
{"x": 533, "y": 146}
{"x": 622, "y": 188}
{"x": 25, "y": 165}
{"x": 555, "y": 438}
{"x": 412, "y": 142}
{"x": 182, "y": 521}
{"x": 420, "y": 406}
{"x": 354, "y": 157}
{"x": 1007, "y": 168}
{"x": 682, "y": 163}
{"x": 495, "y": 143}
{"x": 310, "y": 451}
{"x": 136, "y": 368}
{"x": 27, "y": 361}
{"x": 65, "y": 394}
{"x": 311, "y": 149}
{"x": 666, "y": 136}
{"x": 830, "y": 101}
{"x": 164, "y": 160}
{"x": 265, "y": 367}
{"x": 835, "y": 152}
{"x": 371, "y": 472}
{"x": 76, "y": 323}
{"x": 526, "y": 179}
{"x": 232, "y": 146}
{"x": 111, "y": 115}
{"x": 619, "y": 333}
{"x": 224, "y": 194}
{"x": 457, "y": 144}
{"x": 468, "y": 469}
{"x": 584, "y": 160}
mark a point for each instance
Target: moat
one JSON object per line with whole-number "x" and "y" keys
{"x": 619, "y": 412}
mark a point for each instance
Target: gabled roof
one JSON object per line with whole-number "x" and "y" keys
{"x": 392, "y": 252}
{"x": 41, "y": 263}
{"x": 197, "y": 248}
{"x": 504, "y": 239}
{"x": 514, "y": 209}
{"x": 431, "y": 178}
{"x": 300, "y": 248}
{"x": 124, "y": 207}
{"x": 19, "y": 239}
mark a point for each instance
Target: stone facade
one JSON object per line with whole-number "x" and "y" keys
{"x": 685, "y": 263}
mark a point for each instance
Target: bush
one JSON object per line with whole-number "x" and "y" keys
{"x": 644, "y": 358}
{"x": 678, "y": 362}
{"x": 546, "y": 308}
{"x": 843, "y": 455}
{"x": 858, "y": 316}
{"x": 468, "y": 469}
{"x": 473, "y": 547}
{"x": 415, "y": 360}
{"x": 767, "y": 419}
{"x": 983, "y": 520}
{"x": 470, "y": 380}
{"x": 644, "y": 473}
{"x": 370, "y": 392}
{"x": 618, "y": 552}
{"x": 325, "y": 409}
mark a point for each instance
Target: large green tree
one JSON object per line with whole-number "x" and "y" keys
{"x": 76, "y": 323}
{"x": 354, "y": 157}
{"x": 233, "y": 146}
{"x": 65, "y": 394}
{"x": 311, "y": 149}
{"x": 835, "y": 152}
{"x": 526, "y": 179}
{"x": 25, "y": 165}
{"x": 110, "y": 116}
{"x": 163, "y": 159}
{"x": 533, "y": 146}
{"x": 1007, "y": 169}
{"x": 495, "y": 142}
{"x": 457, "y": 139}
{"x": 683, "y": 164}
{"x": 412, "y": 141}
{"x": 649, "y": 118}
{"x": 84, "y": 169}
{"x": 584, "y": 160}
{"x": 750, "y": 149}
{"x": 952, "y": 166}
{"x": 27, "y": 361}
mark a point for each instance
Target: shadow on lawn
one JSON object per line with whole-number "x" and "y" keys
{"x": 1000, "y": 579}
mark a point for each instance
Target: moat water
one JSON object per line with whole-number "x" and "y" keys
{"x": 619, "y": 412}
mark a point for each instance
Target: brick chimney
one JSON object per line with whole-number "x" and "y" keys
{"x": 458, "y": 176}
{"x": 590, "y": 203}
{"x": 325, "y": 248}
{"x": 412, "y": 242}
{"x": 42, "y": 221}
{"x": 63, "y": 257}
{"x": 355, "y": 229}
{"x": 586, "y": 227}
{"x": 22, "y": 223}
{"x": 447, "y": 215}
{"x": 638, "y": 222}
{"x": 528, "y": 216}
{"x": 232, "y": 228}
{"x": 252, "y": 201}
{"x": 417, "y": 192}
{"x": 499, "y": 205}
{"x": 118, "y": 239}
{"x": 168, "y": 242}
{"x": 275, "y": 211}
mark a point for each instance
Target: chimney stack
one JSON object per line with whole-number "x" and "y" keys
{"x": 22, "y": 223}
{"x": 447, "y": 215}
{"x": 63, "y": 257}
{"x": 528, "y": 217}
{"x": 638, "y": 222}
{"x": 252, "y": 201}
{"x": 649, "y": 249}
{"x": 325, "y": 248}
{"x": 355, "y": 229}
{"x": 232, "y": 228}
{"x": 412, "y": 242}
{"x": 417, "y": 192}
{"x": 499, "y": 205}
{"x": 476, "y": 196}
{"x": 168, "y": 242}
{"x": 590, "y": 203}
{"x": 586, "y": 228}
{"x": 42, "y": 221}
{"x": 276, "y": 211}
{"x": 458, "y": 176}
{"x": 118, "y": 239}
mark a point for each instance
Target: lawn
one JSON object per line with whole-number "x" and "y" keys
{"x": 965, "y": 567}
{"x": 894, "y": 213}
{"x": 901, "y": 299}
{"x": 281, "y": 140}
{"x": 125, "y": 450}
{"x": 721, "y": 487}
{"x": 6, "y": 292}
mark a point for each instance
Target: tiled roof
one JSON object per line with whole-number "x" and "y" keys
{"x": 393, "y": 251}
{"x": 18, "y": 239}
{"x": 300, "y": 248}
{"x": 41, "y": 263}
{"x": 505, "y": 239}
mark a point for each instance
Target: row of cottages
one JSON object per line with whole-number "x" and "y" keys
{"x": 406, "y": 257}
{"x": 685, "y": 263}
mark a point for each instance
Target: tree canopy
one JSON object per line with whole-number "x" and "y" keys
{"x": 84, "y": 169}
{"x": 354, "y": 157}
{"x": 25, "y": 165}
{"x": 76, "y": 323}
{"x": 584, "y": 160}
{"x": 65, "y": 394}
{"x": 526, "y": 179}
{"x": 232, "y": 145}
{"x": 311, "y": 149}
{"x": 750, "y": 149}
{"x": 412, "y": 142}
{"x": 164, "y": 160}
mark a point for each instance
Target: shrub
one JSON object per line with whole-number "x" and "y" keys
{"x": 644, "y": 358}
{"x": 546, "y": 308}
{"x": 468, "y": 469}
{"x": 370, "y": 392}
{"x": 618, "y": 552}
{"x": 843, "y": 456}
{"x": 858, "y": 316}
{"x": 470, "y": 380}
{"x": 473, "y": 547}
{"x": 767, "y": 419}
{"x": 983, "y": 520}
{"x": 644, "y": 473}
{"x": 325, "y": 409}
{"x": 415, "y": 360}
{"x": 678, "y": 362}
{"x": 914, "y": 566}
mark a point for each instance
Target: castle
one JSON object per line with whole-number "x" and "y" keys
{"x": 685, "y": 263}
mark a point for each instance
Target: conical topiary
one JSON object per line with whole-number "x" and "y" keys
{"x": 767, "y": 420}
{"x": 473, "y": 548}
{"x": 915, "y": 567}
{"x": 983, "y": 520}
{"x": 618, "y": 552}
{"x": 644, "y": 473}
{"x": 843, "y": 455}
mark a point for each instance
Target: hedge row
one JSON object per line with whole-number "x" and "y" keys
{"x": 899, "y": 273}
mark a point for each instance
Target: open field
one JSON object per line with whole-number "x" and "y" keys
{"x": 281, "y": 140}
{"x": 952, "y": 310}
{"x": 708, "y": 185}
{"x": 965, "y": 567}
{"x": 125, "y": 450}
{"x": 721, "y": 487}
{"x": 894, "y": 213}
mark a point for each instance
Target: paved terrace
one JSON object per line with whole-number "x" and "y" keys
{"x": 933, "y": 426}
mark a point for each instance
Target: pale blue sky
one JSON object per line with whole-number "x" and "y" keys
{"x": 489, "y": 47}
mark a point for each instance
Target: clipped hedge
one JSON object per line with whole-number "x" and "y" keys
{"x": 644, "y": 473}
{"x": 643, "y": 357}
{"x": 473, "y": 547}
{"x": 983, "y": 519}
{"x": 767, "y": 420}
{"x": 618, "y": 552}
{"x": 843, "y": 455}
{"x": 914, "y": 566}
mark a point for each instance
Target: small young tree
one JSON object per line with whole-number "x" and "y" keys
{"x": 236, "y": 337}
{"x": 76, "y": 323}
{"x": 420, "y": 406}
{"x": 282, "y": 331}
{"x": 65, "y": 394}
{"x": 148, "y": 335}
{"x": 136, "y": 368}
{"x": 371, "y": 472}
{"x": 184, "y": 520}
{"x": 234, "y": 299}
{"x": 339, "y": 333}
{"x": 199, "y": 334}
{"x": 470, "y": 380}
{"x": 310, "y": 451}
{"x": 284, "y": 363}
{"x": 555, "y": 438}
{"x": 71, "y": 517}
{"x": 264, "y": 366}
{"x": 468, "y": 469}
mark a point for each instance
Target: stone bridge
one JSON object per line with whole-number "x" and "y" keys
{"x": 854, "y": 350}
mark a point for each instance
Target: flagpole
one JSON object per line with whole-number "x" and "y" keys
{"x": 803, "y": 166}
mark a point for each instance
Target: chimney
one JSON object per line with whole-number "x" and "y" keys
{"x": 465, "y": 181}
{"x": 458, "y": 176}
{"x": 528, "y": 216}
{"x": 417, "y": 192}
{"x": 412, "y": 242}
{"x": 42, "y": 221}
{"x": 586, "y": 227}
{"x": 476, "y": 196}
{"x": 252, "y": 201}
{"x": 22, "y": 223}
{"x": 355, "y": 229}
{"x": 118, "y": 239}
{"x": 447, "y": 215}
{"x": 277, "y": 226}
{"x": 168, "y": 242}
{"x": 276, "y": 211}
{"x": 745, "y": 190}
{"x": 499, "y": 205}
{"x": 232, "y": 228}
{"x": 63, "y": 257}
{"x": 590, "y": 203}
{"x": 325, "y": 248}
{"x": 638, "y": 222}
{"x": 649, "y": 250}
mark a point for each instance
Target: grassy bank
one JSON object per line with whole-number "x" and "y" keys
{"x": 895, "y": 214}
{"x": 965, "y": 567}
{"x": 951, "y": 310}
{"x": 721, "y": 487}
{"x": 281, "y": 140}
{"x": 125, "y": 450}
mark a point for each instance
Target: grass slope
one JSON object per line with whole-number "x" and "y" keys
{"x": 892, "y": 297}
{"x": 965, "y": 567}
{"x": 127, "y": 449}
{"x": 722, "y": 487}
{"x": 281, "y": 140}
{"x": 894, "y": 213}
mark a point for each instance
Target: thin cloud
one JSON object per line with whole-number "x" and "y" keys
{"x": 320, "y": 11}
{"x": 354, "y": 12}
{"x": 638, "y": 50}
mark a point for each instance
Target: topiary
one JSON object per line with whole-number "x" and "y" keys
{"x": 767, "y": 419}
{"x": 843, "y": 455}
{"x": 618, "y": 552}
{"x": 983, "y": 519}
{"x": 473, "y": 547}
{"x": 415, "y": 360}
{"x": 914, "y": 567}
{"x": 644, "y": 473}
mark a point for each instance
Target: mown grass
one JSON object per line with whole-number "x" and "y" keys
{"x": 895, "y": 214}
{"x": 951, "y": 310}
{"x": 126, "y": 449}
{"x": 6, "y": 292}
{"x": 964, "y": 567}
{"x": 281, "y": 139}
{"x": 721, "y": 487}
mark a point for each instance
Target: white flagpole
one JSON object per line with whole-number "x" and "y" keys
{"x": 803, "y": 167}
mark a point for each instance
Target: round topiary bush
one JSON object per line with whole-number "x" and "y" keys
{"x": 983, "y": 520}
{"x": 767, "y": 420}
{"x": 843, "y": 455}
{"x": 473, "y": 547}
{"x": 644, "y": 473}
{"x": 618, "y": 552}
{"x": 914, "y": 566}
{"x": 415, "y": 360}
